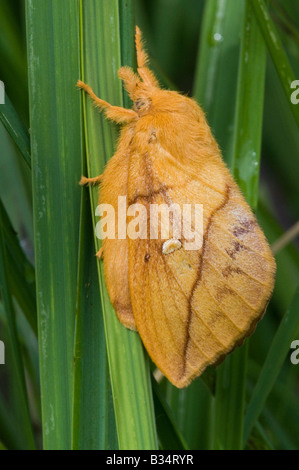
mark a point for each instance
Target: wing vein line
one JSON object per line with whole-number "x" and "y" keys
{"x": 240, "y": 241}
{"x": 229, "y": 258}
{"x": 232, "y": 288}
{"x": 187, "y": 298}
{"x": 198, "y": 279}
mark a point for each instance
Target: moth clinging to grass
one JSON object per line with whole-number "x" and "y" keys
{"x": 191, "y": 307}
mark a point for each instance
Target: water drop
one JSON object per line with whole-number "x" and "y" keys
{"x": 218, "y": 37}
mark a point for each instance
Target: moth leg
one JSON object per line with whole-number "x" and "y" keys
{"x": 88, "y": 181}
{"x": 115, "y": 113}
{"x": 142, "y": 59}
{"x": 99, "y": 253}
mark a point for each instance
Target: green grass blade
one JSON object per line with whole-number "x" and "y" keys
{"x": 191, "y": 408}
{"x": 15, "y": 189}
{"x": 91, "y": 379}
{"x": 278, "y": 351}
{"x": 169, "y": 435}
{"x": 280, "y": 136}
{"x": 217, "y": 68}
{"x": 230, "y": 401}
{"x": 21, "y": 272}
{"x": 17, "y": 131}
{"x": 259, "y": 440}
{"x": 231, "y": 376}
{"x": 53, "y": 56}
{"x": 13, "y": 65}
{"x": 16, "y": 364}
{"x": 287, "y": 277}
{"x": 8, "y": 430}
{"x": 286, "y": 21}
{"x": 249, "y": 115}
{"x": 276, "y": 50}
{"x": 127, "y": 39}
{"x": 280, "y": 409}
{"x": 129, "y": 369}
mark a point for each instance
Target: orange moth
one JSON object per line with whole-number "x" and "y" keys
{"x": 191, "y": 307}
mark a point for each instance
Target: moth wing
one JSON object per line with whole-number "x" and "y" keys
{"x": 115, "y": 249}
{"x": 192, "y": 307}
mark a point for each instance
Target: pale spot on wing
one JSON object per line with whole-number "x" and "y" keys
{"x": 170, "y": 246}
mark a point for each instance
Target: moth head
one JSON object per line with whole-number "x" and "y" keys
{"x": 139, "y": 91}
{"x": 142, "y": 104}
{"x": 148, "y": 97}
{"x": 172, "y": 102}
{"x": 142, "y": 97}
